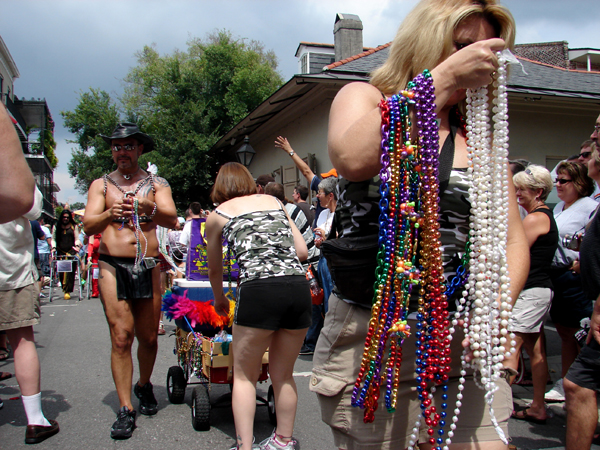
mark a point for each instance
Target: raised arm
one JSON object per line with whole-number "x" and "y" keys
{"x": 16, "y": 180}
{"x": 283, "y": 144}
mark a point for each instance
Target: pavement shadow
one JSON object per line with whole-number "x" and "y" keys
{"x": 52, "y": 405}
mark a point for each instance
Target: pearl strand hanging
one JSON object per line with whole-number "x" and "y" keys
{"x": 485, "y": 305}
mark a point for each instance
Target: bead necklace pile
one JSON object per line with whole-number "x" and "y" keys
{"x": 410, "y": 258}
{"x": 485, "y": 304}
{"x": 139, "y": 235}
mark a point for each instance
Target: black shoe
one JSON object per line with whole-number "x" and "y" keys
{"x": 37, "y": 433}
{"x": 124, "y": 425}
{"x": 306, "y": 350}
{"x": 148, "y": 403}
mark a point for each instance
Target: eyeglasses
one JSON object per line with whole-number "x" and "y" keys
{"x": 561, "y": 181}
{"x": 585, "y": 154}
{"x": 126, "y": 147}
{"x": 597, "y": 128}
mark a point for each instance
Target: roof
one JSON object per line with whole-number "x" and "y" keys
{"x": 7, "y": 59}
{"x": 541, "y": 80}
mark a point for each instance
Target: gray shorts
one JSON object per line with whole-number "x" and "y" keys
{"x": 530, "y": 309}
{"x": 20, "y": 307}
{"x": 335, "y": 366}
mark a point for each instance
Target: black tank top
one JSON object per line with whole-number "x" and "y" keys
{"x": 542, "y": 251}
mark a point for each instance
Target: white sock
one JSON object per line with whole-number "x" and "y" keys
{"x": 33, "y": 409}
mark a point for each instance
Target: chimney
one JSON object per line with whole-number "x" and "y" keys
{"x": 347, "y": 35}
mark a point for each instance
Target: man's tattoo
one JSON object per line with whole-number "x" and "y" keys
{"x": 160, "y": 181}
{"x": 239, "y": 439}
{"x": 145, "y": 191}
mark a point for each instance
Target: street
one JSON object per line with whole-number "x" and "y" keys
{"x": 78, "y": 391}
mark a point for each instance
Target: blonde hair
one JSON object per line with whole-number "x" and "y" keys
{"x": 426, "y": 38}
{"x": 535, "y": 177}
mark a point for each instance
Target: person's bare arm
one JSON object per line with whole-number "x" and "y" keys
{"x": 535, "y": 225}
{"x": 214, "y": 248}
{"x": 16, "y": 180}
{"x": 283, "y": 144}
{"x": 517, "y": 247}
{"x": 166, "y": 213}
{"x": 96, "y": 218}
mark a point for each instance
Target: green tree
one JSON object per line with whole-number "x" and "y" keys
{"x": 186, "y": 101}
{"x": 95, "y": 114}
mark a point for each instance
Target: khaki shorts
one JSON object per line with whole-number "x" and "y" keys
{"x": 19, "y": 307}
{"x": 335, "y": 367}
{"x": 530, "y": 309}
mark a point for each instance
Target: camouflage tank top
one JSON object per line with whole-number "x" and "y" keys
{"x": 263, "y": 244}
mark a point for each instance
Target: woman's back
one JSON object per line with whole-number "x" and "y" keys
{"x": 259, "y": 232}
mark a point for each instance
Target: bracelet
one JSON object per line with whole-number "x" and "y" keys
{"x": 291, "y": 153}
{"x": 153, "y": 213}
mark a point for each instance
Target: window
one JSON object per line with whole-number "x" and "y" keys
{"x": 304, "y": 63}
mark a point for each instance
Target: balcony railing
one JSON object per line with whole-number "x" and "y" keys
{"x": 15, "y": 113}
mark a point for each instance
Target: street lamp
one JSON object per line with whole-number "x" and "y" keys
{"x": 245, "y": 153}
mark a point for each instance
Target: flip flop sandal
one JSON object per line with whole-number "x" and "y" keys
{"x": 4, "y": 353}
{"x": 524, "y": 415}
{"x": 5, "y": 375}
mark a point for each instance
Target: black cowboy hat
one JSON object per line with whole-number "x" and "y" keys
{"x": 125, "y": 130}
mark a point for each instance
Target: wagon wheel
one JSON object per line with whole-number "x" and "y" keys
{"x": 271, "y": 406}
{"x": 200, "y": 408}
{"x": 176, "y": 384}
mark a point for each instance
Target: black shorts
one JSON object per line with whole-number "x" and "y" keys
{"x": 585, "y": 370}
{"x": 274, "y": 303}
{"x": 132, "y": 282}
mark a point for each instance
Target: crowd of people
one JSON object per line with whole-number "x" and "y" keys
{"x": 136, "y": 241}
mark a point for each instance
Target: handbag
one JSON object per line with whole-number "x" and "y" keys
{"x": 352, "y": 262}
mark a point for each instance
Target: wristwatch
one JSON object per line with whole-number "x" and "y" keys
{"x": 291, "y": 153}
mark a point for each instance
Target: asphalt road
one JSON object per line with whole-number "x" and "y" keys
{"x": 78, "y": 391}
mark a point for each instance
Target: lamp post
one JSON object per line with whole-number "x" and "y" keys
{"x": 245, "y": 153}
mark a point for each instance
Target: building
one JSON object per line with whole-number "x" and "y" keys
{"x": 35, "y": 129}
{"x": 552, "y": 107}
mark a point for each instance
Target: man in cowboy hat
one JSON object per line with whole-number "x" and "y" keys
{"x": 126, "y": 206}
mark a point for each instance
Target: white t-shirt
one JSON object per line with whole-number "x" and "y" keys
{"x": 42, "y": 244}
{"x": 571, "y": 221}
{"x": 325, "y": 220}
{"x": 16, "y": 249}
{"x": 184, "y": 238}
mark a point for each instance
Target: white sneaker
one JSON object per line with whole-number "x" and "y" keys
{"x": 556, "y": 394}
{"x": 271, "y": 444}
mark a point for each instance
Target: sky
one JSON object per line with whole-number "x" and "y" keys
{"x": 64, "y": 47}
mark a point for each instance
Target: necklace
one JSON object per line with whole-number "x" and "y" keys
{"x": 485, "y": 303}
{"x": 410, "y": 259}
{"x": 128, "y": 177}
{"x": 141, "y": 183}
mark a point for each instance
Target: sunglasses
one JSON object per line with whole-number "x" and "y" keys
{"x": 561, "y": 181}
{"x": 126, "y": 147}
{"x": 585, "y": 154}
